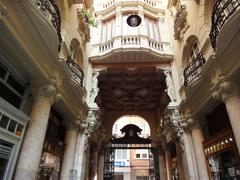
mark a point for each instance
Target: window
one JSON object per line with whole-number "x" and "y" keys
{"x": 194, "y": 52}
{"x": 138, "y": 156}
{"x": 11, "y": 125}
{"x": 141, "y": 153}
{"x": 108, "y": 30}
{"x": 121, "y": 154}
{"x": 12, "y": 87}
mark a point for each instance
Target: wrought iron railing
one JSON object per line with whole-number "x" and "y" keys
{"x": 222, "y": 11}
{"x": 50, "y": 10}
{"x": 193, "y": 71}
{"x": 76, "y": 71}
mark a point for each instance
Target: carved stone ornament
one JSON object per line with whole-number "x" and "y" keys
{"x": 172, "y": 122}
{"x": 88, "y": 127}
{"x": 225, "y": 89}
{"x": 180, "y": 22}
{"x": 47, "y": 91}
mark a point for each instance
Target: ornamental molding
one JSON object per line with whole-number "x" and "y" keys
{"x": 180, "y": 22}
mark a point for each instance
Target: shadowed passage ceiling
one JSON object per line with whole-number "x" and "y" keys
{"x": 132, "y": 89}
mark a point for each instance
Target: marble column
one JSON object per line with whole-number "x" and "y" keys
{"x": 80, "y": 159}
{"x": 229, "y": 92}
{"x": 162, "y": 166}
{"x": 67, "y": 168}
{"x": 198, "y": 138}
{"x": 31, "y": 151}
{"x": 191, "y": 167}
{"x": 95, "y": 164}
{"x": 179, "y": 161}
{"x": 168, "y": 163}
{"x": 100, "y": 164}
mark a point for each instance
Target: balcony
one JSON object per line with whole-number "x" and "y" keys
{"x": 50, "y": 10}
{"x": 150, "y": 3}
{"x": 133, "y": 48}
{"x": 77, "y": 74}
{"x": 193, "y": 71}
{"x": 222, "y": 11}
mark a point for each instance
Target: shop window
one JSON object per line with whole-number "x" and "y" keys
{"x": 15, "y": 84}
{"x": 11, "y": 125}
{"x": 4, "y": 122}
{"x": 12, "y": 87}
{"x": 9, "y": 96}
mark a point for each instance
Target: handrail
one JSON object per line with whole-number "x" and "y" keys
{"x": 50, "y": 10}
{"x": 193, "y": 70}
{"x": 222, "y": 11}
{"x": 77, "y": 72}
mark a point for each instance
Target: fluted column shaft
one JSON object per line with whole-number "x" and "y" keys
{"x": 31, "y": 151}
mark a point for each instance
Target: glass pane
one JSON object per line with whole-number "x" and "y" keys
{"x": 9, "y": 96}
{"x": 15, "y": 84}
{"x": 12, "y": 126}
{"x": 19, "y": 130}
{"x": 4, "y": 122}
{"x": 3, "y": 71}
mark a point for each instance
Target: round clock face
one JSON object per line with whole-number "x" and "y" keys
{"x": 134, "y": 20}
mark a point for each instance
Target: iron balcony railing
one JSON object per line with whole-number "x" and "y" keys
{"x": 50, "y": 10}
{"x": 222, "y": 11}
{"x": 76, "y": 71}
{"x": 193, "y": 71}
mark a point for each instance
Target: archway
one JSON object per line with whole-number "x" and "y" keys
{"x": 130, "y": 154}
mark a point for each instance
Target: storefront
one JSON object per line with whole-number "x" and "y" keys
{"x": 222, "y": 156}
{"x": 53, "y": 149}
{"x": 220, "y": 149}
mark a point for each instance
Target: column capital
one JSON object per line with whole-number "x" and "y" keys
{"x": 46, "y": 91}
{"x": 224, "y": 89}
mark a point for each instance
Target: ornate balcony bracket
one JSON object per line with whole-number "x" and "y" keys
{"x": 76, "y": 71}
{"x": 50, "y": 10}
{"x": 193, "y": 71}
{"x": 180, "y": 22}
{"x": 222, "y": 11}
